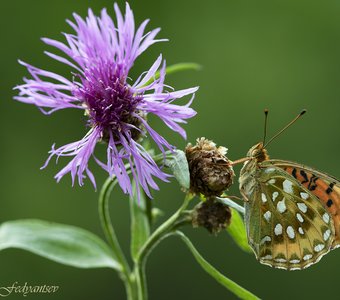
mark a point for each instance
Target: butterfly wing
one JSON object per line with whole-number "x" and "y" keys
{"x": 287, "y": 226}
{"x": 325, "y": 187}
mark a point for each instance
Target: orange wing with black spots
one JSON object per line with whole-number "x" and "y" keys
{"x": 325, "y": 187}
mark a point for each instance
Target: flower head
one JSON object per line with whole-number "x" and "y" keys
{"x": 101, "y": 54}
{"x": 212, "y": 215}
{"x": 211, "y": 173}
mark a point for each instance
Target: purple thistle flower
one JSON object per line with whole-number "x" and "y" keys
{"x": 102, "y": 54}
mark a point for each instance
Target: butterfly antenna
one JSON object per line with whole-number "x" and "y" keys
{"x": 284, "y": 128}
{"x": 265, "y": 126}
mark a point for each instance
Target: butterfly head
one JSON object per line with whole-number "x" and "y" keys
{"x": 258, "y": 153}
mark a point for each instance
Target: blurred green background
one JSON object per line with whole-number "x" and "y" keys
{"x": 281, "y": 55}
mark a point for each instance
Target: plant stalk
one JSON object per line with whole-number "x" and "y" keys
{"x": 158, "y": 235}
{"x": 111, "y": 237}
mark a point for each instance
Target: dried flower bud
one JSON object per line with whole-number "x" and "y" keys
{"x": 210, "y": 170}
{"x": 212, "y": 215}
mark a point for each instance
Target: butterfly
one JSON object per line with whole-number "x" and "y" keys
{"x": 292, "y": 212}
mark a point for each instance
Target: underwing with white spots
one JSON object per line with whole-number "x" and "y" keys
{"x": 292, "y": 211}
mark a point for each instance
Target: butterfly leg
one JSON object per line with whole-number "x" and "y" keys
{"x": 245, "y": 198}
{"x": 231, "y": 197}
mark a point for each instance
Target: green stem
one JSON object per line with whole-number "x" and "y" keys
{"x": 161, "y": 230}
{"x": 232, "y": 286}
{"x": 111, "y": 237}
{"x": 148, "y": 209}
{"x": 141, "y": 281}
{"x": 139, "y": 270}
{"x": 186, "y": 219}
{"x": 158, "y": 235}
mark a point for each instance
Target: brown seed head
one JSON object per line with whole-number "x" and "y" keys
{"x": 210, "y": 170}
{"x": 212, "y": 215}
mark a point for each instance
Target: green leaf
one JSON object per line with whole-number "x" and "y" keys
{"x": 176, "y": 68}
{"x": 181, "y": 67}
{"x": 178, "y": 165}
{"x": 237, "y": 231}
{"x": 226, "y": 282}
{"x": 64, "y": 244}
{"x": 140, "y": 222}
